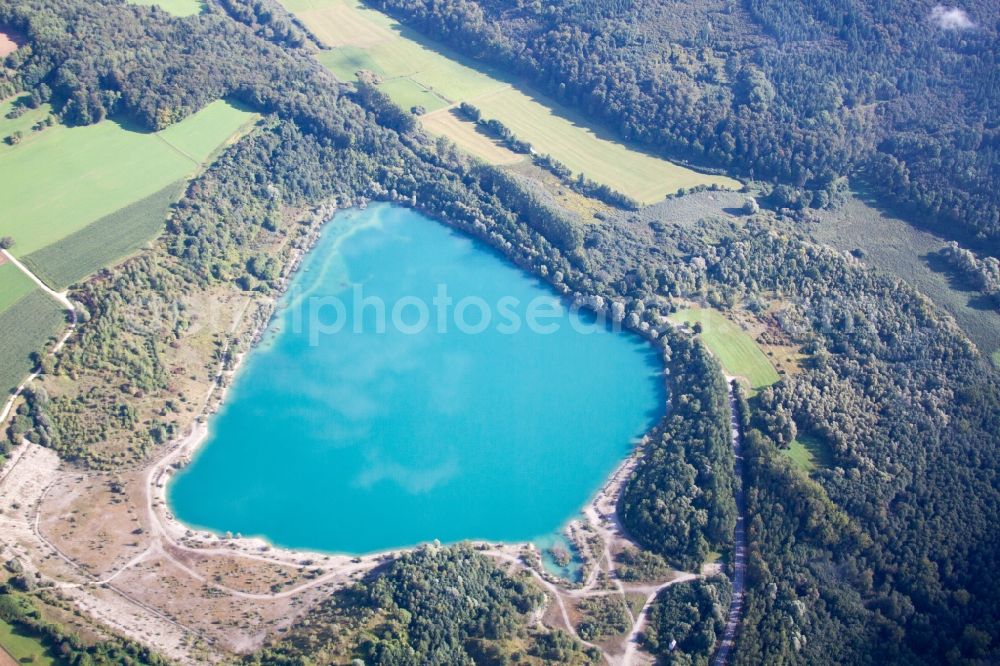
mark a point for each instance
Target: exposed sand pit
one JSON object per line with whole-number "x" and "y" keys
{"x": 10, "y": 41}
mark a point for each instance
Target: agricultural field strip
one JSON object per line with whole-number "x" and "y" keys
{"x": 103, "y": 168}
{"x": 362, "y": 38}
{"x": 177, "y": 150}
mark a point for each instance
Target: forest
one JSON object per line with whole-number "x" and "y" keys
{"x": 895, "y": 93}
{"x": 431, "y": 606}
{"x": 884, "y": 555}
{"x": 686, "y": 621}
{"x": 677, "y": 502}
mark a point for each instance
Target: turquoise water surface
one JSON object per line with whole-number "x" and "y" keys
{"x": 341, "y": 435}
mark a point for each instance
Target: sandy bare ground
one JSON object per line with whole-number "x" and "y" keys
{"x": 9, "y": 42}
{"x": 197, "y": 597}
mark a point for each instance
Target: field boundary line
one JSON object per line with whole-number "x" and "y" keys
{"x": 178, "y": 150}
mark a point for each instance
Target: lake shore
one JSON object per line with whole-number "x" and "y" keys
{"x": 112, "y": 598}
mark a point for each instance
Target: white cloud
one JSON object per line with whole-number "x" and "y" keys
{"x": 951, "y": 18}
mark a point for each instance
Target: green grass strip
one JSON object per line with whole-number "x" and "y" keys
{"x": 13, "y": 285}
{"x": 736, "y": 350}
{"x": 24, "y": 648}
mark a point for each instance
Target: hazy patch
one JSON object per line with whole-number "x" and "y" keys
{"x": 951, "y": 18}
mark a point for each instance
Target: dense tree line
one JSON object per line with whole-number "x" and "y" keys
{"x": 802, "y": 93}
{"x": 636, "y": 565}
{"x": 982, "y": 274}
{"x": 268, "y": 19}
{"x": 679, "y": 501}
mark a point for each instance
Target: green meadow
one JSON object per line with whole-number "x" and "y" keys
{"x": 25, "y": 649}
{"x": 13, "y": 285}
{"x": 175, "y": 7}
{"x": 736, "y": 350}
{"x": 415, "y": 71}
{"x": 807, "y": 453}
{"x": 65, "y": 178}
{"x": 77, "y": 199}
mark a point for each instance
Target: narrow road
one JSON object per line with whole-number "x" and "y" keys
{"x": 634, "y": 636}
{"x": 59, "y": 296}
{"x": 740, "y": 545}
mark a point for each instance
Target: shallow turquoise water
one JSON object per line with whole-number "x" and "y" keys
{"x": 368, "y": 439}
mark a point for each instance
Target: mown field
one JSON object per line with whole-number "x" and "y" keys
{"x": 564, "y": 134}
{"x": 62, "y": 179}
{"x": 25, "y": 649}
{"x": 175, "y": 7}
{"x": 898, "y": 248}
{"x": 103, "y": 242}
{"x": 13, "y": 284}
{"x": 469, "y": 138}
{"x": 25, "y": 327}
{"x": 415, "y": 71}
{"x": 807, "y": 453}
{"x": 736, "y": 350}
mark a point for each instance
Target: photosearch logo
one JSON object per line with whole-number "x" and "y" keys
{"x": 358, "y": 312}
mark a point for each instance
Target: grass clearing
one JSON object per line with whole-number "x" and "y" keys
{"x": 175, "y": 7}
{"x": 215, "y": 127}
{"x": 363, "y": 38}
{"x": 408, "y": 94}
{"x": 807, "y": 453}
{"x": 898, "y": 248}
{"x": 24, "y": 648}
{"x": 67, "y": 177}
{"x": 10, "y": 41}
{"x": 347, "y": 61}
{"x": 24, "y": 328}
{"x": 14, "y": 284}
{"x": 635, "y": 601}
{"x": 736, "y": 350}
{"x": 104, "y": 242}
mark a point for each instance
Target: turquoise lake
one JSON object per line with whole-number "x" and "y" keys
{"x": 341, "y": 436}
